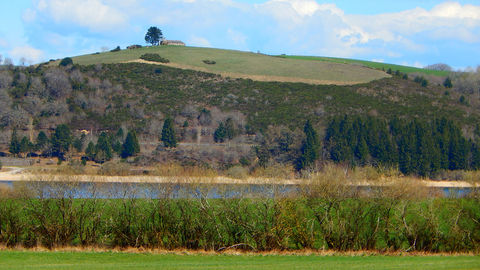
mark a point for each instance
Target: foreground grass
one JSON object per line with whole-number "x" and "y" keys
{"x": 109, "y": 260}
{"x": 238, "y": 64}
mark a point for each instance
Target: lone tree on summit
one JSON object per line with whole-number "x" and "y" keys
{"x": 153, "y": 35}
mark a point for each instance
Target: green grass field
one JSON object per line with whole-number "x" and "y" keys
{"x": 246, "y": 65}
{"x": 375, "y": 65}
{"x": 109, "y": 260}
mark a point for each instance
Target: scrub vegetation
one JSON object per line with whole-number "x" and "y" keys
{"x": 329, "y": 214}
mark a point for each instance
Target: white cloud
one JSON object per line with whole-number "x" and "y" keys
{"x": 302, "y": 20}
{"x": 456, "y": 11}
{"x": 238, "y": 38}
{"x": 199, "y": 41}
{"x": 444, "y": 21}
{"x": 378, "y": 60}
{"x": 93, "y": 14}
{"x": 31, "y": 54}
{"x": 29, "y": 15}
{"x": 416, "y": 64}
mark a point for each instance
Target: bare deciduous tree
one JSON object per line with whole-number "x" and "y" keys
{"x": 58, "y": 83}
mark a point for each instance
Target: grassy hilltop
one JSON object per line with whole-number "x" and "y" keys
{"x": 237, "y": 64}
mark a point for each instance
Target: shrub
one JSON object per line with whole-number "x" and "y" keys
{"x": 245, "y": 162}
{"x": 66, "y": 61}
{"x": 237, "y": 172}
{"x": 116, "y": 49}
{"x": 154, "y": 58}
{"x": 114, "y": 169}
{"x": 421, "y": 80}
{"x": 209, "y": 62}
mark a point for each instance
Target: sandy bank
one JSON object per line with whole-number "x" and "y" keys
{"x": 18, "y": 174}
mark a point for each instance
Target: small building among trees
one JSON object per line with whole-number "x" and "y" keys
{"x": 172, "y": 42}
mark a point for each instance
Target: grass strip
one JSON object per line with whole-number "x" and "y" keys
{"x": 113, "y": 260}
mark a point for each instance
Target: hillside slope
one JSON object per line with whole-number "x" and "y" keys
{"x": 237, "y": 64}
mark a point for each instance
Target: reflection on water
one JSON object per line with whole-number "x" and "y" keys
{"x": 114, "y": 190}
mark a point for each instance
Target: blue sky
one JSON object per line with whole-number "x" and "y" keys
{"x": 408, "y": 32}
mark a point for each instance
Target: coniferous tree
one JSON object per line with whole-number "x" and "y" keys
{"x": 119, "y": 134}
{"x": 61, "y": 139}
{"x": 262, "y": 154}
{"x": 310, "y": 148}
{"x": 361, "y": 151}
{"x": 168, "y": 134}
{"x": 448, "y": 83}
{"x": 230, "y": 131}
{"x": 42, "y": 141}
{"x": 130, "y": 146}
{"x": 103, "y": 149}
{"x": 14, "y": 147}
{"x": 78, "y": 144}
{"x": 90, "y": 151}
{"x": 220, "y": 133}
{"x": 25, "y": 145}
{"x": 475, "y": 163}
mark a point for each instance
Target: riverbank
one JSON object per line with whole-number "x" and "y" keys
{"x": 16, "y": 174}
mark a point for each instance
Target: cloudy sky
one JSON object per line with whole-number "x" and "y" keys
{"x": 408, "y": 32}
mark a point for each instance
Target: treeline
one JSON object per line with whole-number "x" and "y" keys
{"x": 52, "y": 218}
{"x": 62, "y": 141}
{"x": 415, "y": 147}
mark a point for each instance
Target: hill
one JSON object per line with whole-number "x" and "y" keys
{"x": 237, "y": 64}
{"x": 370, "y": 64}
{"x": 114, "y": 90}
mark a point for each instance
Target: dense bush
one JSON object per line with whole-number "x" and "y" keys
{"x": 66, "y": 61}
{"x": 154, "y": 57}
{"x": 209, "y": 62}
{"x": 331, "y": 217}
{"x": 117, "y": 49}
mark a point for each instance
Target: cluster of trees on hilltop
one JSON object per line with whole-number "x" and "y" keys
{"x": 416, "y": 147}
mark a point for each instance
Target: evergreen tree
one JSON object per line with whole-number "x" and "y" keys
{"x": 475, "y": 163}
{"x": 42, "y": 141}
{"x": 103, "y": 151}
{"x": 90, "y": 151}
{"x": 168, "y": 134}
{"x": 262, "y": 154}
{"x": 361, "y": 151}
{"x": 25, "y": 145}
{"x": 117, "y": 147}
{"x": 448, "y": 83}
{"x": 14, "y": 143}
{"x": 78, "y": 144}
{"x": 220, "y": 133}
{"x": 61, "y": 139}
{"x": 136, "y": 144}
{"x": 119, "y": 134}
{"x": 310, "y": 147}
{"x": 230, "y": 131}
{"x": 131, "y": 146}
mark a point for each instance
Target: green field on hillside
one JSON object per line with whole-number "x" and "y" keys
{"x": 239, "y": 64}
{"x": 370, "y": 64}
{"x": 109, "y": 260}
